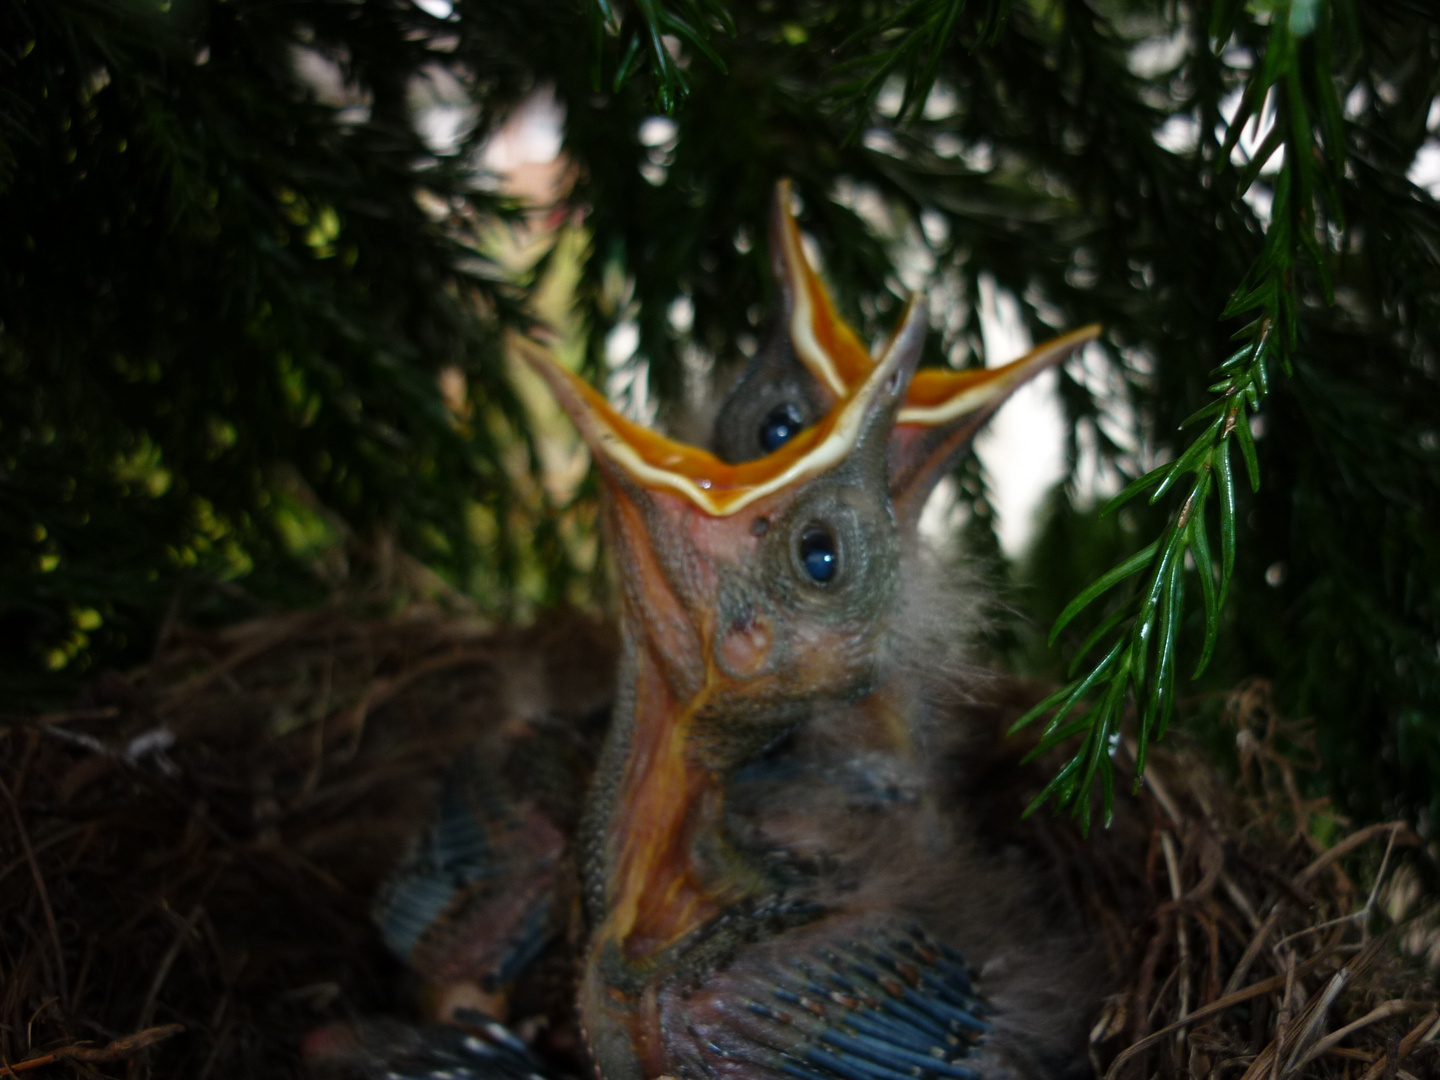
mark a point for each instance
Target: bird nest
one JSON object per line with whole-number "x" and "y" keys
{"x": 188, "y": 859}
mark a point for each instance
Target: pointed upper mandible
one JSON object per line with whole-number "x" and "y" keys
{"x": 943, "y": 407}
{"x": 718, "y": 488}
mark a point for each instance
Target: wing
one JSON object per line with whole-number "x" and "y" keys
{"x": 476, "y": 1048}
{"x": 482, "y": 894}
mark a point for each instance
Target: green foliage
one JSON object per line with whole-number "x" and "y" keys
{"x": 690, "y": 22}
{"x": 221, "y": 342}
{"x": 222, "y": 312}
{"x": 910, "y": 42}
{"x": 1138, "y": 639}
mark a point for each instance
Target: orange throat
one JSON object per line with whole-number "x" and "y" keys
{"x": 656, "y": 892}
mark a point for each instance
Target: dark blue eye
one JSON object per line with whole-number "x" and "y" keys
{"x": 817, "y": 553}
{"x": 781, "y": 425}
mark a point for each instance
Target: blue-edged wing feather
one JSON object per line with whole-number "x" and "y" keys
{"x": 474, "y": 1048}
{"x": 476, "y": 901}
{"x": 876, "y": 1004}
{"x": 455, "y": 854}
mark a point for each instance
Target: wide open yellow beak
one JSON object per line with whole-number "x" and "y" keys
{"x": 715, "y": 487}
{"x": 942, "y": 409}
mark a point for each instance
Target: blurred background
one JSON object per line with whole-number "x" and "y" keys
{"x": 257, "y": 259}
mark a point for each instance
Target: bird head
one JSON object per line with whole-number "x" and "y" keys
{"x": 758, "y": 586}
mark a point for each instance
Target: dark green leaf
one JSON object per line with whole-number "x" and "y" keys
{"x": 1080, "y": 689}
{"x": 920, "y": 90}
{"x": 1052, "y": 739}
{"x": 1223, "y": 16}
{"x": 1165, "y": 672}
{"x": 628, "y": 63}
{"x": 1189, "y": 459}
{"x": 1263, "y": 153}
{"x": 1214, "y": 408}
{"x": 1103, "y": 584}
{"x": 1100, "y": 632}
{"x": 1225, "y": 484}
{"x": 1247, "y": 448}
{"x": 683, "y": 29}
{"x": 1135, "y": 487}
{"x": 1060, "y": 787}
{"x": 1205, "y": 570}
{"x": 1097, "y": 748}
{"x": 1145, "y": 620}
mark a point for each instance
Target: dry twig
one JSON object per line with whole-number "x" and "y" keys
{"x": 115, "y": 1051}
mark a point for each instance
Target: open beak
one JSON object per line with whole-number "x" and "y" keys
{"x": 826, "y": 344}
{"x": 943, "y": 408}
{"x": 630, "y": 453}
{"x": 678, "y": 518}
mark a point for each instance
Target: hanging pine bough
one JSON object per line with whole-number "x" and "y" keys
{"x": 1293, "y": 76}
{"x": 225, "y": 314}
{"x": 226, "y": 300}
{"x": 689, "y": 21}
{"x": 910, "y": 42}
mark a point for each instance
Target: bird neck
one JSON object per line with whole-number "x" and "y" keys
{"x": 662, "y": 861}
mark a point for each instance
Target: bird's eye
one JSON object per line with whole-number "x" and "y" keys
{"x": 817, "y": 553}
{"x": 780, "y": 425}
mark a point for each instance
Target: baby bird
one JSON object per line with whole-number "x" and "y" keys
{"x": 778, "y": 875}
{"x": 777, "y": 881}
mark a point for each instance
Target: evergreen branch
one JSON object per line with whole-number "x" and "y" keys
{"x": 914, "y": 39}
{"x": 689, "y": 21}
{"x": 1139, "y": 649}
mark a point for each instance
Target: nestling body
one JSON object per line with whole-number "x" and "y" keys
{"x": 779, "y": 877}
{"x": 777, "y": 882}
